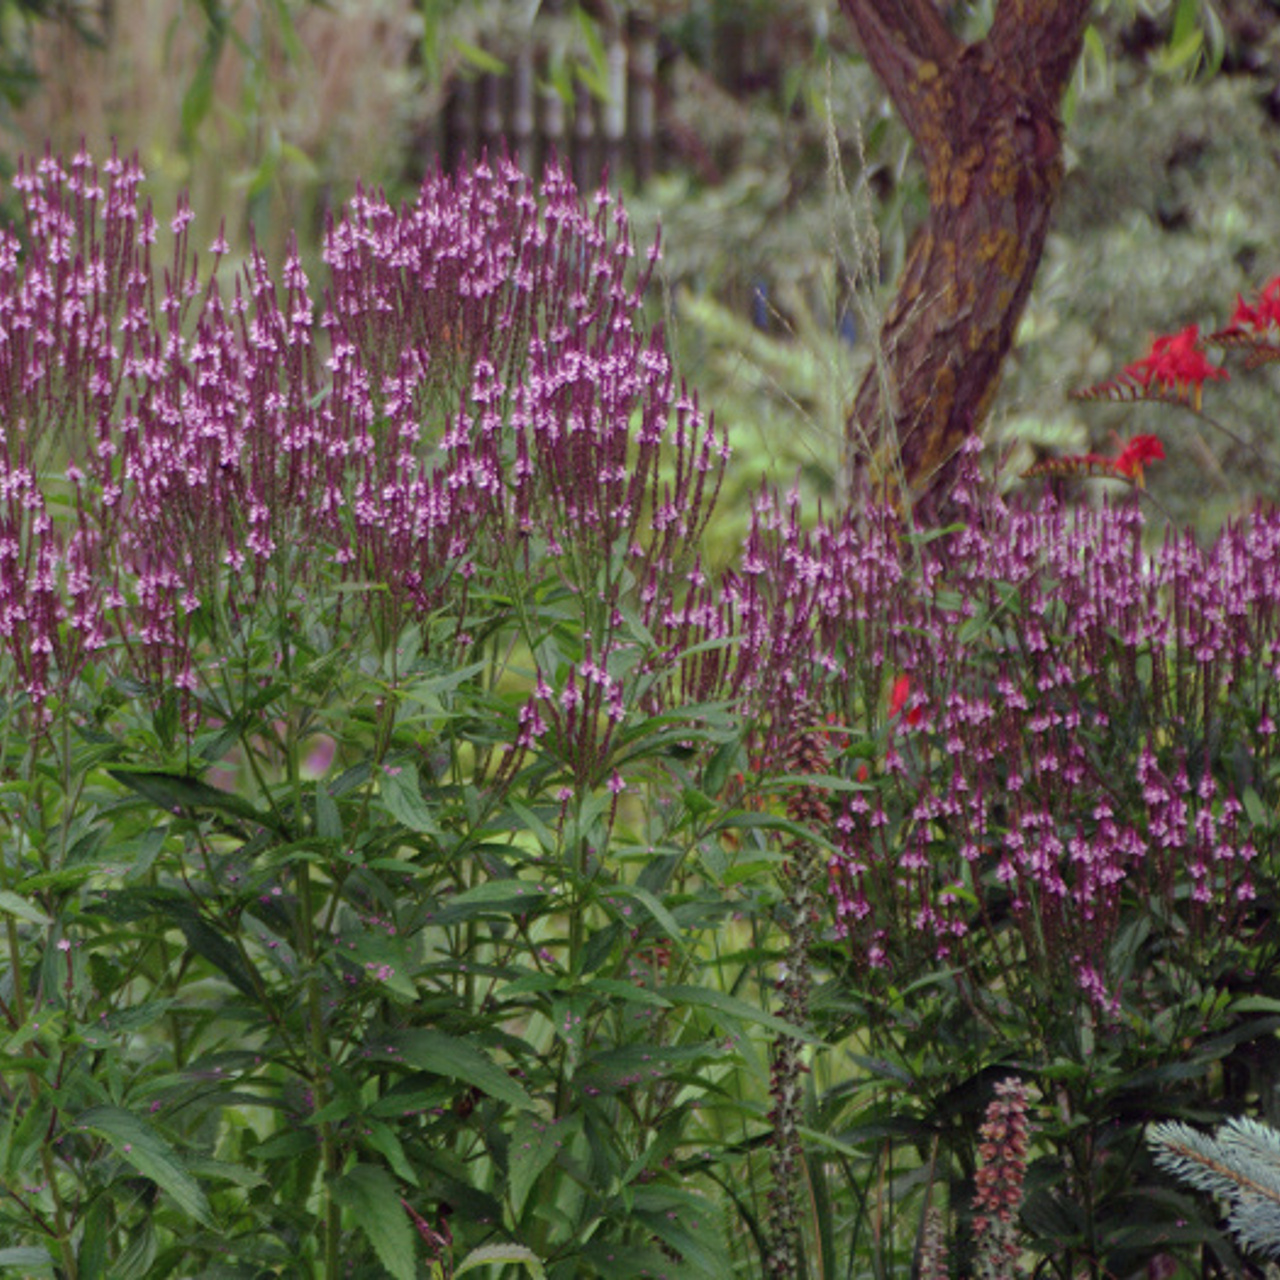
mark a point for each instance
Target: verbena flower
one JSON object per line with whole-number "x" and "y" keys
{"x": 476, "y": 393}
{"x": 1016, "y": 825}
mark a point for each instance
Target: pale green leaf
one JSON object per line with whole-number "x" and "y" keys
{"x": 480, "y": 59}
{"x": 12, "y": 905}
{"x": 501, "y": 1253}
{"x": 27, "y": 1260}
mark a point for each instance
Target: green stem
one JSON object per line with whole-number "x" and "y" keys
{"x": 316, "y": 1071}
{"x": 65, "y": 1250}
{"x": 34, "y": 1084}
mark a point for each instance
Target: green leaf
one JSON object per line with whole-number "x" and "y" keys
{"x": 176, "y": 792}
{"x": 1186, "y": 16}
{"x": 1254, "y": 808}
{"x": 480, "y": 59}
{"x": 220, "y": 953}
{"x": 491, "y": 1253}
{"x": 613, "y": 1263}
{"x": 665, "y": 920}
{"x": 617, "y": 1069}
{"x": 716, "y": 774}
{"x": 294, "y": 49}
{"x": 1180, "y": 54}
{"x": 398, "y": 790}
{"x": 199, "y": 95}
{"x": 385, "y": 960}
{"x": 382, "y": 1138}
{"x": 822, "y": 781}
{"x": 65, "y": 877}
{"x": 534, "y": 1144}
{"x": 369, "y": 1194}
{"x": 493, "y": 897}
{"x": 224, "y": 1170}
{"x": 455, "y": 1059}
{"x": 618, "y": 989}
{"x": 1256, "y": 1004}
{"x": 92, "y": 1262}
{"x": 731, "y": 1006}
{"x": 25, "y": 1259}
{"x": 594, "y": 73}
{"x": 284, "y": 1146}
{"x": 697, "y": 803}
{"x": 545, "y": 836}
{"x": 682, "y": 1220}
{"x": 12, "y": 905}
{"x": 140, "y": 1145}
{"x": 429, "y": 690}
{"x": 328, "y": 820}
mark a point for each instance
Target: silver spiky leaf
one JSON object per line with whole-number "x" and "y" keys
{"x": 1240, "y": 1164}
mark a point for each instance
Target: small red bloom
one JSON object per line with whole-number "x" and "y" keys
{"x": 1263, "y": 314}
{"x": 898, "y": 699}
{"x": 1136, "y": 454}
{"x": 1176, "y": 362}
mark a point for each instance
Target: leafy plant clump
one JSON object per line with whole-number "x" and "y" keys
{"x": 338, "y": 634}
{"x": 412, "y": 859}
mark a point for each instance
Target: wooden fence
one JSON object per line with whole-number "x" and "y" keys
{"x": 628, "y": 123}
{"x": 613, "y": 129}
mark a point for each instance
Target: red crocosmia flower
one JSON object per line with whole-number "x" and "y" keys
{"x": 1244, "y": 316}
{"x": 901, "y": 692}
{"x": 1176, "y": 362}
{"x": 1262, "y": 314}
{"x": 898, "y": 699}
{"x": 1136, "y": 454}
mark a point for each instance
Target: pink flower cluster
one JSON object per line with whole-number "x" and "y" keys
{"x": 1018, "y": 804}
{"x": 475, "y": 380}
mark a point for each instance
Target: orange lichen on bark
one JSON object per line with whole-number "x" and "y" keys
{"x": 989, "y": 244}
{"x": 950, "y": 263}
{"x": 1011, "y": 260}
{"x": 1004, "y": 165}
{"x": 962, "y": 173}
{"x": 939, "y": 404}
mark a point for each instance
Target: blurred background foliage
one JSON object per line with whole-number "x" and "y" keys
{"x": 785, "y": 188}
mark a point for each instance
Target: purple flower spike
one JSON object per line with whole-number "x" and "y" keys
{"x": 1051, "y": 766}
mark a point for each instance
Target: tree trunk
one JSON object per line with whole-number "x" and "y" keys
{"x": 985, "y": 118}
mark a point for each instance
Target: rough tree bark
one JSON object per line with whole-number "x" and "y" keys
{"x": 985, "y": 118}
